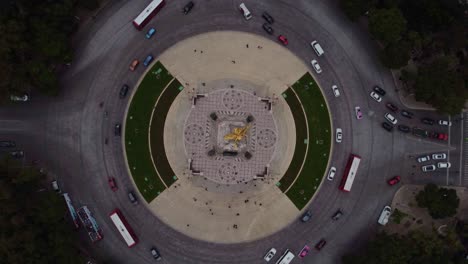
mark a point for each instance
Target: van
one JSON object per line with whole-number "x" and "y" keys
{"x": 245, "y": 11}
{"x": 317, "y": 48}
{"x": 385, "y": 215}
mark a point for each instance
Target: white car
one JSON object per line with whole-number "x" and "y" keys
{"x": 443, "y": 165}
{"x": 55, "y": 186}
{"x": 271, "y": 253}
{"x": 376, "y": 97}
{"x": 331, "y": 174}
{"x": 439, "y": 156}
{"x": 19, "y": 98}
{"x": 427, "y": 168}
{"x": 445, "y": 123}
{"x": 385, "y": 215}
{"x": 316, "y": 66}
{"x": 391, "y": 118}
{"x": 357, "y": 111}
{"x": 424, "y": 159}
{"x": 336, "y": 92}
{"x": 339, "y": 135}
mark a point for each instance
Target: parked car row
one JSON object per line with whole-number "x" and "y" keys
{"x": 433, "y": 167}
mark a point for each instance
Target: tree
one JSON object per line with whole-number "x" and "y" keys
{"x": 387, "y": 25}
{"x": 355, "y": 8}
{"x": 440, "y": 202}
{"x": 395, "y": 55}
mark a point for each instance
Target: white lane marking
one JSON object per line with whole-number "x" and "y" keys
{"x": 461, "y": 151}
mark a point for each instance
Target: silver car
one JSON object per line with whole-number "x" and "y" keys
{"x": 339, "y": 135}
{"x": 316, "y": 66}
{"x": 428, "y": 168}
{"x": 331, "y": 174}
{"x": 439, "y": 156}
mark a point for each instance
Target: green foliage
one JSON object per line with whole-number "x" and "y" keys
{"x": 440, "y": 202}
{"x": 355, "y": 8}
{"x": 31, "y": 223}
{"x": 387, "y": 25}
{"x": 441, "y": 86}
{"x": 395, "y": 55}
{"x": 414, "y": 248}
{"x": 398, "y": 215}
{"x": 89, "y": 4}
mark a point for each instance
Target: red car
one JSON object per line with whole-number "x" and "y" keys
{"x": 442, "y": 136}
{"x": 394, "y": 180}
{"x": 392, "y": 107}
{"x": 112, "y": 184}
{"x": 283, "y": 39}
{"x": 320, "y": 244}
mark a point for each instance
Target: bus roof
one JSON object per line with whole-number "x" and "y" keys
{"x": 147, "y": 11}
{"x": 352, "y": 173}
{"x": 115, "y": 217}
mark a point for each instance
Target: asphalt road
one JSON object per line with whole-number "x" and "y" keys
{"x": 67, "y": 134}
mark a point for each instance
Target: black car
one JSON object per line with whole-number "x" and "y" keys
{"x": 155, "y": 254}
{"x": 392, "y": 107}
{"x": 123, "y": 91}
{"x": 268, "y": 28}
{"x": 406, "y": 114}
{"x": 320, "y": 244}
{"x": 387, "y": 126}
{"x": 132, "y": 197}
{"x": 306, "y": 216}
{"x": 404, "y": 129}
{"x": 188, "y": 7}
{"x": 428, "y": 121}
{"x": 337, "y": 215}
{"x": 117, "y": 129}
{"x": 379, "y": 90}
{"x": 268, "y": 18}
{"x": 433, "y": 134}
{"x": 420, "y": 132}
{"x": 7, "y": 144}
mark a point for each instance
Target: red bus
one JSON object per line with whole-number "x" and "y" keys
{"x": 350, "y": 173}
{"x": 123, "y": 227}
{"x": 149, "y": 12}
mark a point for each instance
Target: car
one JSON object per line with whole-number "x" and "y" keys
{"x": 134, "y": 65}
{"x": 424, "y": 158}
{"x": 427, "y": 121}
{"x": 443, "y": 165}
{"x": 317, "y": 48}
{"x": 331, "y": 173}
{"x": 7, "y": 144}
{"x": 283, "y": 40}
{"x": 433, "y": 135}
{"x": 337, "y": 215}
{"x": 188, "y": 7}
{"x": 55, "y": 186}
{"x": 357, "y": 111}
{"x": 150, "y": 33}
{"x": 419, "y": 132}
{"x": 17, "y": 154}
{"x": 320, "y": 244}
{"x": 267, "y": 28}
{"x": 155, "y": 253}
{"x": 268, "y": 18}
{"x": 385, "y": 215}
{"x": 394, "y": 180}
{"x": 376, "y": 97}
{"x": 148, "y": 60}
{"x": 270, "y": 254}
{"x": 112, "y": 184}
{"x": 316, "y": 66}
{"x": 379, "y": 90}
{"x": 335, "y": 90}
{"x": 19, "y": 98}
{"x": 404, "y": 129}
{"x": 304, "y": 251}
{"x": 406, "y": 114}
{"x": 306, "y": 216}
{"x": 442, "y": 136}
{"x": 387, "y": 126}
{"x": 339, "y": 135}
{"x": 132, "y": 197}
{"x": 390, "y": 118}
{"x": 245, "y": 11}
{"x": 392, "y": 107}
{"x": 123, "y": 91}
{"x": 117, "y": 129}
{"x": 439, "y": 156}
{"x": 445, "y": 123}
{"x": 427, "y": 168}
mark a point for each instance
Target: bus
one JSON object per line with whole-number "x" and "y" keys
{"x": 286, "y": 258}
{"x": 148, "y": 13}
{"x": 123, "y": 227}
{"x": 350, "y": 173}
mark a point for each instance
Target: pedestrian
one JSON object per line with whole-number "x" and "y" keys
{"x": 247, "y": 45}
{"x": 233, "y": 61}
{"x": 259, "y": 47}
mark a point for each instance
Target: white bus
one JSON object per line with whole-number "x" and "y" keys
{"x": 123, "y": 227}
{"x": 350, "y": 173}
{"x": 286, "y": 258}
{"x": 149, "y": 12}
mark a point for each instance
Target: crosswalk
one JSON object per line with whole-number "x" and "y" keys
{"x": 465, "y": 148}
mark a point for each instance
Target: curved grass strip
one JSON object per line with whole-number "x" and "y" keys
{"x": 157, "y": 132}
{"x": 137, "y": 128}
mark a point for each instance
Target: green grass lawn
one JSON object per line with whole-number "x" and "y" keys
{"x": 157, "y": 132}
{"x": 137, "y": 128}
{"x": 316, "y": 160}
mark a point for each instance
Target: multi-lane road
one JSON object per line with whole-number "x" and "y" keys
{"x": 67, "y": 134}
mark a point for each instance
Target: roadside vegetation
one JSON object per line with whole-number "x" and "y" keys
{"x": 425, "y": 40}
{"x": 35, "y": 43}
{"x": 440, "y": 202}
{"x": 32, "y": 224}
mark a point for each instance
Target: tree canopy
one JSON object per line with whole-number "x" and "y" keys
{"x": 440, "y": 202}
{"x": 387, "y": 25}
